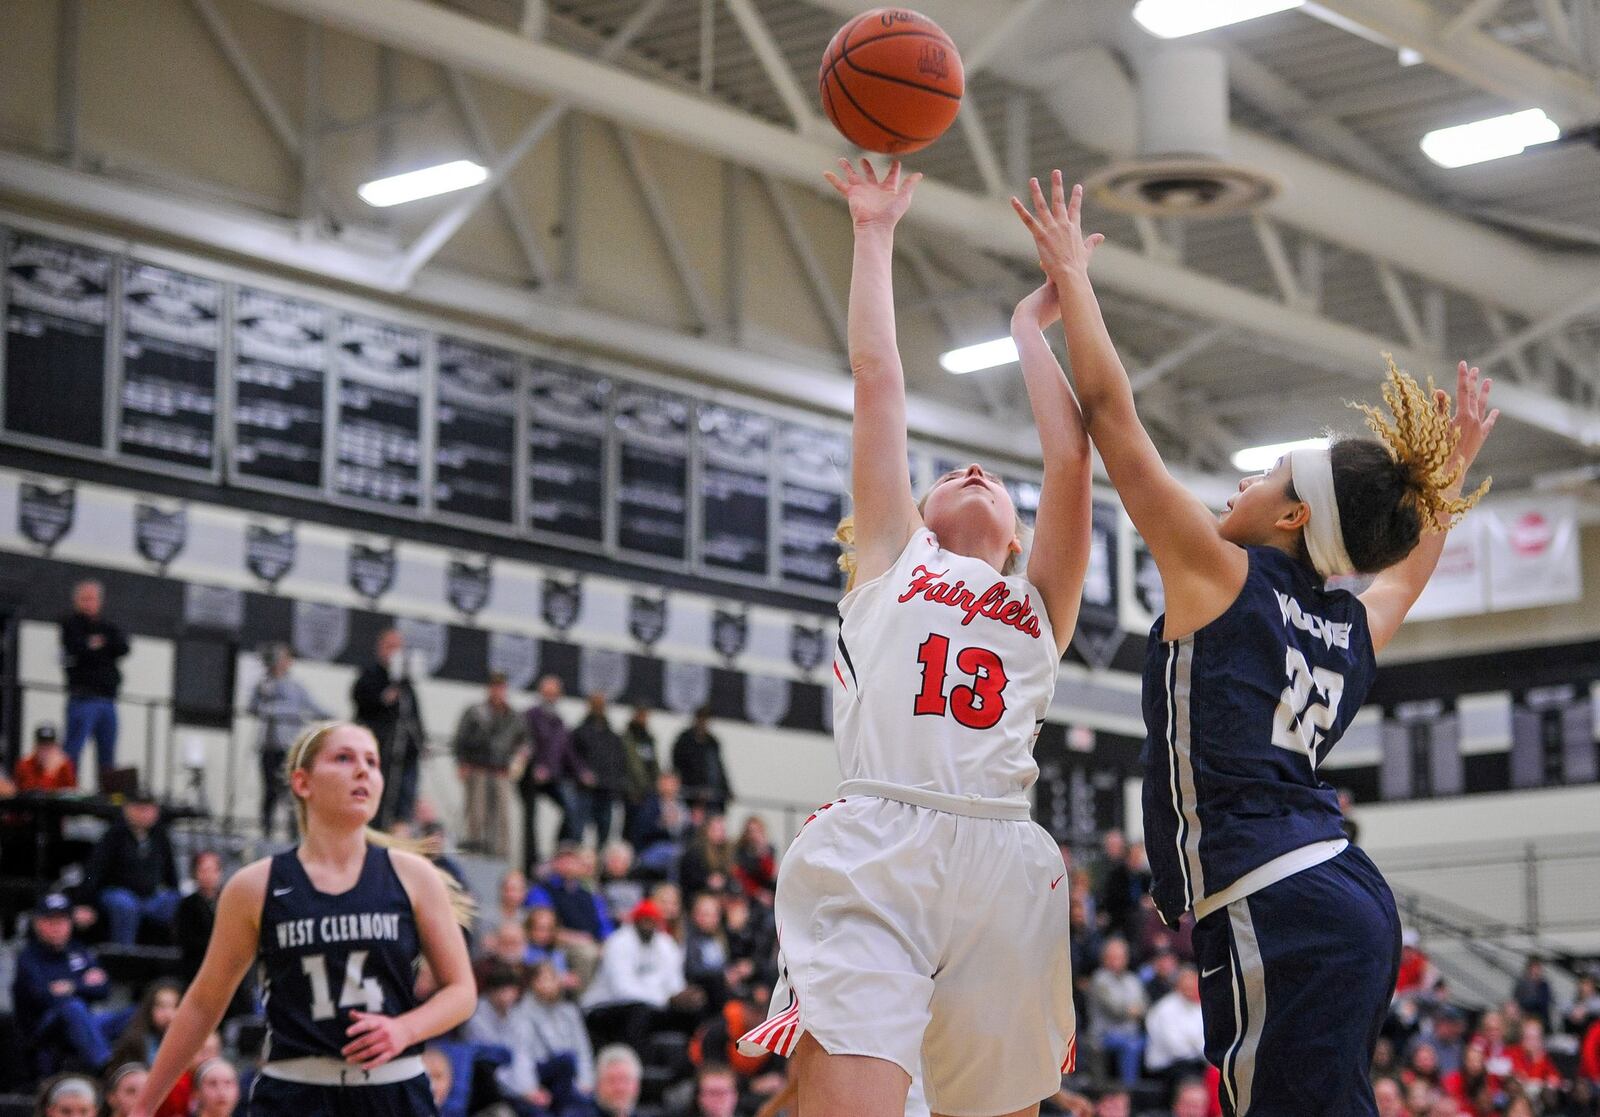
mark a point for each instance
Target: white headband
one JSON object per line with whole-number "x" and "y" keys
{"x": 1312, "y": 471}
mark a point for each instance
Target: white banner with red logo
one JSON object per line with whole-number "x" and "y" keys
{"x": 1460, "y": 583}
{"x": 1533, "y": 553}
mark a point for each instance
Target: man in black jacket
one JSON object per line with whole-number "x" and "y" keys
{"x": 90, "y": 648}
{"x": 386, "y": 704}
{"x": 697, "y": 757}
{"x": 132, "y": 873}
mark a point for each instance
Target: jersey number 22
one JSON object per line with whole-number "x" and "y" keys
{"x": 1310, "y": 702}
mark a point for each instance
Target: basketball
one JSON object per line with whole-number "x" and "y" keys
{"x": 891, "y": 81}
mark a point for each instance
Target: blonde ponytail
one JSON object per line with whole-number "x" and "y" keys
{"x": 1421, "y": 439}
{"x": 304, "y": 752}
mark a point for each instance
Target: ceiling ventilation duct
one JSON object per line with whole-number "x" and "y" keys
{"x": 1182, "y": 169}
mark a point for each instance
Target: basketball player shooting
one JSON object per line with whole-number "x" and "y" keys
{"x": 920, "y": 919}
{"x": 1251, "y": 677}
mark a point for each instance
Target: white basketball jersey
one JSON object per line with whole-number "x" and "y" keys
{"x": 942, "y": 675}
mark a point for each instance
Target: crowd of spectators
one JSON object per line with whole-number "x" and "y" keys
{"x": 616, "y": 974}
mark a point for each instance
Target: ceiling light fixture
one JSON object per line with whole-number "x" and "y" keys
{"x": 973, "y": 358}
{"x": 1494, "y": 138}
{"x": 1172, "y": 19}
{"x": 424, "y": 183}
{"x": 1259, "y": 459}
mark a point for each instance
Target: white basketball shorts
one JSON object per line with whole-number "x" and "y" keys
{"x": 932, "y": 939}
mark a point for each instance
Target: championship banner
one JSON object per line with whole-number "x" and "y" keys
{"x": 1099, "y": 632}
{"x": 1460, "y": 583}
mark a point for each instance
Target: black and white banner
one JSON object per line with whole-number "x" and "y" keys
{"x": 45, "y": 515}
{"x": 171, "y": 331}
{"x": 1099, "y": 633}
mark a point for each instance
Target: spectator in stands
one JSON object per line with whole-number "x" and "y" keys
{"x": 1347, "y": 809}
{"x": 585, "y": 923}
{"x": 1584, "y": 1008}
{"x": 1589, "y": 1055}
{"x": 47, "y": 767}
{"x": 513, "y": 897}
{"x": 639, "y": 756}
{"x": 1448, "y": 1036}
{"x": 617, "y": 1074}
{"x": 284, "y": 707}
{"x": 665, "y": 829}
{"x": 707, "y": 864}
{"x": 668, "y": 899}
{"x": 1423, "y": 1066}
{"x": 706, "y": 963}
{"x": 697, "y": 758}
{"x": 553, "y": 772}
{"x": 132, "y": 873}
{"x": 640, "y": 975}
{"x": 1192, "y": 1099}
{"x": 561, "y": 1050}
{"x": 1530, "y": 1062}
{"x": 501, "y": 1018}
{"x": 601, "y": 752}
{"x": 386, "y": 704}
{"x": 197, "y": 912}
{"x": 1116, "y": 1011}
{"x": 1490, "y": 1038}
{"x": 142, "y": 1037}
{"x": 1114, "y": 1103}
{"x": 755, "y": 862}
{"x": 90, "y": 648}
{"x": 617, "y": 884}
{"x": 1420, "y": 1095}
{"x": 441, "y": 1075}
{"x": 217, "y": 1087}
{"x": 56, "y": 982}
{"x": 69, "y": 1095}
{"x": 752, "y": 940}
{"x": 1472, "y": 1080}
{"x": 544, "y": 945}
{"x": 1118, "y": 895}
{"x": 1176, "y": 1035}
{"x": 1532, "y": 992}
{"x": 1416, "y": 972}
{"x": 716, "y": 1091}
{"x": 1159, "y": 974}
{"x": 491, "y": 742}
{"x": 1390, "y": 1099}
{"x": 122, "y": 1088}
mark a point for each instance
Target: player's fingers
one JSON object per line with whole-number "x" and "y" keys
{"x": 1039, "y": 206}
{"x": 1075, "y": 202}
{"x": 363, "y": 1024}
{"x": 1058, "y": 197}
{"x": 867, "y": 171}
{"x": 893, "y": 181}
{"x": 1488, "y": 424}
{"x": 1095, "y": 241}
{"x": 911, "y": 181}
{"x": 1022, "y": 212}
{"x": 836, "y": 182}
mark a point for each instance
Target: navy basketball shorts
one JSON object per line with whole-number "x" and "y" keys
{"x": 1295, "y": 982}
{"x": 273, "y": 1097}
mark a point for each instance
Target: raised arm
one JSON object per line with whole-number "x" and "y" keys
{"x": 1060, "y": 555}
{"x": 1396, "y": 589}
{"x": 1198, "y": 567}
{"x": 231, "y": 952}
{"x": 880, "y": 479}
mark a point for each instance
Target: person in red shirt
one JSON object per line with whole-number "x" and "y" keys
{"x": 1530, "y": 1063}
{"x": 1472, "y": 1083}
{"x": 1416, "y": 971}
{"x": 1589, "y": 1054}
{"x": 47, "y": 767}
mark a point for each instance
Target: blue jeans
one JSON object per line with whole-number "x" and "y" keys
{"x": 97, "y": 716}
{"x": 1128, "y": 1051}
{"x": 124, "y": 911}
{"x": 82, "y": 1031}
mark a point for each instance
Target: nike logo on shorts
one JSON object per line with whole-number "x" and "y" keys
{"x": 1212, "y": 970}
{"x": 282, "y": 891}
{"x": 1056, "y": 882}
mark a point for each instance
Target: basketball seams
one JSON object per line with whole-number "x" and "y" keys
{"x": 860, "y": 69}
{"x": 874, "y": 121}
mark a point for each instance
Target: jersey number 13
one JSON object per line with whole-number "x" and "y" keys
{"x": 978, "y": 705}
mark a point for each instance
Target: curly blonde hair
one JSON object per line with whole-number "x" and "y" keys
{"x": 1421, "y": 438}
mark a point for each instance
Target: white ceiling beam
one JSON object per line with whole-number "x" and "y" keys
{"x": 1271, "y": 241}
{"x": 1477, "y": 58}
{"x": 794, "y": 231}
{"x": 775, "y": 65}
{"x": 1542, "y": 328}
{"x": 1500, "y": 329}
{"x": 266, "y": 101}
{"x": 1404, "y": 313}
{"x": 983, "y": 152}
{"x": 655, "y": 203}
{"x": 927, "y": 277}
{"x": 1471, "y": 17}
{"x": 516, "y": 218}
{"x": 1170, "y": 361}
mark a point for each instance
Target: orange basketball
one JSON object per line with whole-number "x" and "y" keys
{"x": 891, "y": 81}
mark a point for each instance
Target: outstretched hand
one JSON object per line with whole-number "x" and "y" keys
{"x": 375, "y": 1039}
{"x": 1057, "y": 228}
{"x": 874, "y": 201}
{"x": 1473, "y": 419}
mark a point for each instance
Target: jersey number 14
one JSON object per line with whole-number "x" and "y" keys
{"x": 1310, "y": 703}
{"x": 359, "y": 991}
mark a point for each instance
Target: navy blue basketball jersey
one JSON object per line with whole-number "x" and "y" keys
{"x": 323, "y": 955}
{"x": 1238, "y": 716}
